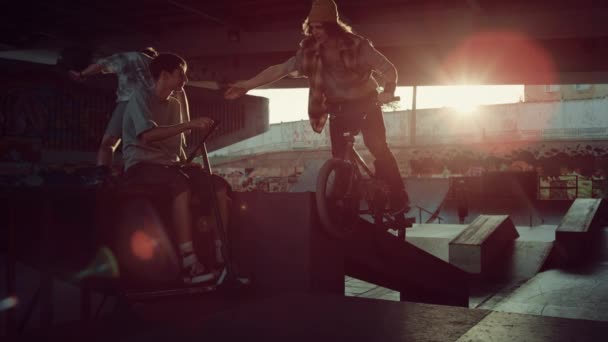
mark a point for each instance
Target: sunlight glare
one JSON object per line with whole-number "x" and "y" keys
{"x": 291, "y": 104}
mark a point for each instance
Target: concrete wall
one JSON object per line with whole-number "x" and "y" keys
{"x": 564, "y": 120}
{"x": 564, "y": 92}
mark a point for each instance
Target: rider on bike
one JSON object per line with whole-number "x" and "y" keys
{"x": 153, "y": 148}
{"x": 339, "y": 65}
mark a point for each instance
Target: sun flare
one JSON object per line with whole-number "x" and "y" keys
{"x": 292, "y": 104}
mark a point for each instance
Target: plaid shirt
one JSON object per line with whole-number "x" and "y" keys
{"x": 132, "y": 70}
{"x": 350, "y": 78}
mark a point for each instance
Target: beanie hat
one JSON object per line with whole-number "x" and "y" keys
{"x": 323, "y": 11}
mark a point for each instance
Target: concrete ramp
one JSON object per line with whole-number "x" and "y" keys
{"x": 428, "y": 194}
{"x": 577, "y": 234}
{"x": 519, "y": 260}
{"x": 380, "y": 258}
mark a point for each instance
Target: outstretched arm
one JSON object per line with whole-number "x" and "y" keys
{"x": 268, "y": 75}
{"x": 90, "y": 70}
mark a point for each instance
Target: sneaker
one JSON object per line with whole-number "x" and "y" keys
{"x": 236, "y": 280}
{"x": 197, "y": 274}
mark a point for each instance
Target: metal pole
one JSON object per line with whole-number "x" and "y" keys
{"x": 413, "y": 116}
{"x": 11, "y": 269}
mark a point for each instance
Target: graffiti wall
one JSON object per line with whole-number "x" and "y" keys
{"x": 573, "y": 186}
{"x": 566, "y": 169}
{"x": 260, "y": 179}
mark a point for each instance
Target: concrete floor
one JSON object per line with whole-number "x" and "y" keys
{"x": 580, "y": 293}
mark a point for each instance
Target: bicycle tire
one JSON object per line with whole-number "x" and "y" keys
{"x": 338, "y": 221}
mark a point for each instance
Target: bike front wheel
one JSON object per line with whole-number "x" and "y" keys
{"x": 337, "y": 198}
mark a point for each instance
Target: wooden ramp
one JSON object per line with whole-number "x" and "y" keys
{"x": 476, "y": 248}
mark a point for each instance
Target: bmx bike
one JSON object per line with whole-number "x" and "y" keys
{"x": 228, "y": 277}
{"x": 347, "y": 190}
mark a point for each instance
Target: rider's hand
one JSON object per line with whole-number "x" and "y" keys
{"x": 386, "y": 97}
{"x": 193, "y": 165}
{"x": 202, "y": 122}
{"x": 235, "y": 90}
{"x": 75, "y": 75}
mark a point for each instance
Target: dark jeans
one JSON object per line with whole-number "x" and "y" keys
{"x": 365, "y": 115}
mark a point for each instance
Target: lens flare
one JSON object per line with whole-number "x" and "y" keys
{"x": 500, "y": 54}
{"x": 142, "y": 245}
{"x": 8, "y": 303}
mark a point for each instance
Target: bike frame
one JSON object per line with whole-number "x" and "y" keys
{"x": 358, "y": 188}
{"x": 355, "y": 158}
{"x": 351, "y": 154}
{"x": 220, "y": 229}
{"x": 360, "y": 167}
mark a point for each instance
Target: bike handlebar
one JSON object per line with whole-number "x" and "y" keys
{"x": 212, "y": 128}
{"x": 392, "y": 99}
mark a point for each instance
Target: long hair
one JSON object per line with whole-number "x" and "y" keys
{"x": 333, "y": 29}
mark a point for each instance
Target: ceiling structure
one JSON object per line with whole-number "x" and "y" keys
{"x": 430, "y": 41}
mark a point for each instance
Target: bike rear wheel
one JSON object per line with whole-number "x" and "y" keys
{"x": 337, "y": 198}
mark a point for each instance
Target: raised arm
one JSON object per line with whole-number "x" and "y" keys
{"x": 90, "y": 70}
{"x": 268, "y": 75}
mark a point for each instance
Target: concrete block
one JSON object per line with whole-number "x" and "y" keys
{"x": 578, "y": 235}
{"x": 475, "y": 249}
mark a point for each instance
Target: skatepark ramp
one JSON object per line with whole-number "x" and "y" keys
{"x": 427, "y": 196}
{"x": 280, "y": 242}
{"x": 378, "y": 257}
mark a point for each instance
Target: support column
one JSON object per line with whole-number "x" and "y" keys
{"x": 412, "y": 123}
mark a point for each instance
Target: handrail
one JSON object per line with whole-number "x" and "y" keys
{"x": 421, "y": 209}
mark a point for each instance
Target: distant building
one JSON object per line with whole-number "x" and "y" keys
{"x": 565, "y": 92}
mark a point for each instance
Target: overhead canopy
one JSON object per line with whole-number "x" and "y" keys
{"x": 430, "y": 41}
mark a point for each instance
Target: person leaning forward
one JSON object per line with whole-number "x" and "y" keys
{"x": 339, "y": 64}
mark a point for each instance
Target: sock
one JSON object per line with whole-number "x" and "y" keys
{"x": 187, "y": 252}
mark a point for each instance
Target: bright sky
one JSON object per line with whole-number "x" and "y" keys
{"x": 291, "y": 104}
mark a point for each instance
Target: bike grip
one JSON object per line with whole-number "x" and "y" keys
{"x": 392, "y": 99}
{"x": 214, "y": 125}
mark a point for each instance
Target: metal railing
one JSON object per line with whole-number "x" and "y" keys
{"x": 431, "y": 214}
